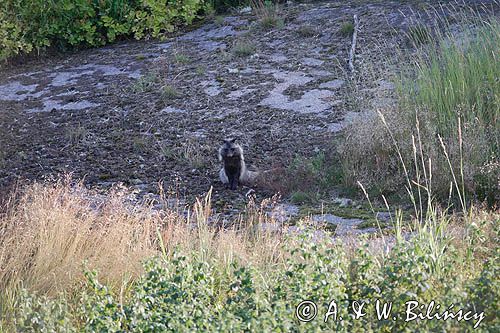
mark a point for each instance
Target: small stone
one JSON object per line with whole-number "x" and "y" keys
{"x": 346, "y": 203}
{"x": 334, "y": 84}
{"x": 312, "y": 62}
{"x": 136, "y": 181}
{"x": 245, "y": 10}
{"x": 343, "y": 202}
{"x": 386, "y": 85}
{"x": 383, "y": 216}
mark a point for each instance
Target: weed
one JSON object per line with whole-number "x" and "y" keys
{"x": 243, "y": 49}
{"x": 182, "y": 58}
{"x": 448, "y": 97}
{"x": 77, "y": 135}
{"x": 458, "y": 77}
{"x": 140, "y": 143}
{"x": 219, "y": 20}
{"x": 167, "y": 151}
{"x": 194, "y": 153}
{"x": 3, "y": 156}
{"x": 272, "y": 22}
{"x": 200, "y": 70}
{"x": 145, "y": 83}
{"x": 169, "y": 92}
{"x": 311, "y": 175}
{"x": 268, "y": 13}
{"x": 190, "y": 153}
{"x": 224, "y": 273}
{"x": 347, "y": 29}
{"x": 300, "y": 197}
{"x": 306, "y": 31}
{"x": 419, "y": 35}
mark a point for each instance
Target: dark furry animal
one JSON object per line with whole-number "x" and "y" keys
{"x": 234, "y": 170}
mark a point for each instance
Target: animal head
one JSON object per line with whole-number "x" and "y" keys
{"x": 230, "y": 149}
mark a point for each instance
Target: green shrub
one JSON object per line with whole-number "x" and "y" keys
{"x": 268, "y": 13}
{"x": 243, "y": 49}
{"x": 306, "y": 31}
{"x": 35, "y": 25}
{"x": 221, "y": 6}
{"x": 39, "y": 314}
{"x": 299, "y": 197}
{"x": 317, "y": 173}
{"x": 145, "y": 83}
{"x": 187, "y": 293}
{"x": 347, "y": 29}
{"x": 169, "y": 92}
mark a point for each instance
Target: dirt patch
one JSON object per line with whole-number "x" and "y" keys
{"x": 147, "y": 112}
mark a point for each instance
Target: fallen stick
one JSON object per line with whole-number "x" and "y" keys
{"x": 353, "y": 46}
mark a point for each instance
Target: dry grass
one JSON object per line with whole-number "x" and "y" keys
{"x": 268, "y": 12}
{"x": 48, "y": 232}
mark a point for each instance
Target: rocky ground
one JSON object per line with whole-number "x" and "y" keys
{"x": 144, "y": 112}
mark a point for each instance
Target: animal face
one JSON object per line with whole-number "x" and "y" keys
{"x": 230, "y": 148}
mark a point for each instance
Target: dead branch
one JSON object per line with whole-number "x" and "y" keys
{"x": 353, "y": 46}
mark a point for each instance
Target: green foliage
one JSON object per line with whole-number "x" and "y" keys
{"x": 317, "y": 173}
{"x": 268, "y": 13}
{"x": 182, "y": 58}
{"x": 419, "y": 35}
{"x": 243, "y": 49}
{"x": 222, "y": 6}
{"x": 189, "y": 294}
{"x": 458, "y": 77}
{"x": 35, "y": 25}
{"x": 485, "y": 290}
{"x": 306, "y": 31}
{"x": 270, "y": 22}
{"x": 99, "y": 310}
{"x": 169, "y": 92}
{"x": 299, "y": 197}
{"x": 347, "y": 29}
{"x": 200, "y": 70}
{"x": 455, "y": 81}
{"x": 447, "y": 115}
{"x": 39, "y": 314}
{"x": 145, "y": 83}
{"x": 219, "y": 20}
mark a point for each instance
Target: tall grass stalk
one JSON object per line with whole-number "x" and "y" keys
{"x": 457, "y": 76}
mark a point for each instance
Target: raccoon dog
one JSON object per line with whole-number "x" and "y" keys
{"x": 234, "y": 170}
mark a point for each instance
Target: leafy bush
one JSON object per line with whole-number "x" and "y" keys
{"x": 188, "y": 294}
{"x": 347, "y": 29}
{"x": 224, "y": 5}
{"x": 214, "y": 279}
{"x": 35, "y": 25}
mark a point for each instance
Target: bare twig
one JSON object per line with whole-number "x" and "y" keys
{"x": 353, "y": 46}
